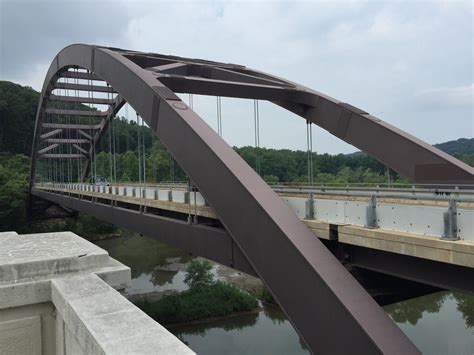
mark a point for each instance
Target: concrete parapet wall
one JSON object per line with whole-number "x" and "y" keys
{"x": 57, "y": 296}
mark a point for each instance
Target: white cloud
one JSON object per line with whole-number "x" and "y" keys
{"x": 33, "y": 76}
{"x": 446, "y": 98}
{"x": 372, "y": 54}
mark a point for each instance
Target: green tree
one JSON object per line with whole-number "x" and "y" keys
{"x": 14, "y": 173}
{"x": 17, "y": 117}
{"x": 199, "y": 274}
{"x": 271, "y": 179}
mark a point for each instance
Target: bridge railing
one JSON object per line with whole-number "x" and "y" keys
{"x": 423, "y": 212}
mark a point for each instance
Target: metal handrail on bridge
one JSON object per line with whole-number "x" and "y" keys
{"x": 416, "y": 192}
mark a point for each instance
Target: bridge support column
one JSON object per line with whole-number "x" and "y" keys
{"x": 450, "y": 222}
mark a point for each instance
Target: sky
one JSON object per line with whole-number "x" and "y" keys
{"x": 409, "y": 63}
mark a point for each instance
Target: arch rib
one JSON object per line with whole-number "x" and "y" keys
{"x": 329, "y": 309}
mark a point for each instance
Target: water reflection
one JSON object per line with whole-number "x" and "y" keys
{"x": 440, "y": 323}
{"x": 411, "y": 311}
{"x": 466, "y": 307}
{"x": 266, "y": 332}
{"x": 239, "y": 322}
{"x": 275, "y": 314}
{"x": 155, "y": 265}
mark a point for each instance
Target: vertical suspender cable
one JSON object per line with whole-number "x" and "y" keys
{"x": 139, "y": 154}
{"x": 311, "y": 151}
{"x": 77, "y": 121}
{"x": 62, "y": 145}
{"x": 69, "y": 121}
{"x": 92, "y": 133}
{"x": 144, "y": 162}
{"x": 69, "y": 145}
{"x": 115, "y": 150}
{"x": 256, "y": 116}
{"x": 309, "y": 143}
{"x": 219, "y": 116}
{"x": 111, "y": 171}
{"x": 93, "y": 165}
{"x": 76, "y": 131}
{"x": 91, "y": 148}
{"x": 155, "y": 173}
{"x": 95, "y": 138}
{"x": 127, "y": 143}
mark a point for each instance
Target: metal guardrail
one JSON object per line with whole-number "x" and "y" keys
{"x": 372, "y": 209}
{"x": 415, "y": 192}
{"x": 427, "y": 193}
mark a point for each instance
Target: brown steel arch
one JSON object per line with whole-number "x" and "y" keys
{"x": 329, "y": 309}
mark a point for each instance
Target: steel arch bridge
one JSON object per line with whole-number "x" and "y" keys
{"x": 259, "y": 233}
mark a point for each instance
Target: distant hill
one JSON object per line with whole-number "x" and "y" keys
{"x": 18, "y": 106}
{"x": 17, "y": 117}
{"x": 457, "y": 147}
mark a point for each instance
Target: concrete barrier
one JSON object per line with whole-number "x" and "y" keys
{"x": 58, "y": 296}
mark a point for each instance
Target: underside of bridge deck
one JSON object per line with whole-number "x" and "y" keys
{"x": 209, "y": 239}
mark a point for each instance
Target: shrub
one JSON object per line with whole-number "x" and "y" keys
{"x": 215, "y": 300}
{"x": 199, "y": 274}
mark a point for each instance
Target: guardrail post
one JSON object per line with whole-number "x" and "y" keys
{"x": 371, "y": 213}
{"x": 125, "y": 190}
{"x": 310, "y": 206}
{"x": 186, "y": 196}
{"x": 170, "y": 195}
{"x": 156, "y": 194}
{"x": 450, "y": 222}
{"x": 134, "y": 192}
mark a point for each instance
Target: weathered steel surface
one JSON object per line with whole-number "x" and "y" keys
{"x": 329, "y": 309}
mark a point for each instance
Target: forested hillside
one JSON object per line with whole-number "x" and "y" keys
{"x": 18, "y": 106}
{"x": 461, "y": 146}
{"x": 17, "y": 114}
{"x": 17, "y": 117}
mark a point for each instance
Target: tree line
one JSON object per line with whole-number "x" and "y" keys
{"x": 18, "y": 107}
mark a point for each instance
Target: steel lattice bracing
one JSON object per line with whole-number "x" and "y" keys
{"x": 329, "y": 309}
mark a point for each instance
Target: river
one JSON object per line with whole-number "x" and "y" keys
{"x": 440, "y": 323}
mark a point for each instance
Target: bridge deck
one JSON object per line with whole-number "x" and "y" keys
{"x": 411, "y": 227}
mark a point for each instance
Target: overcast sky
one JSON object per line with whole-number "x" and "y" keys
{"x": 409, "y": 63}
